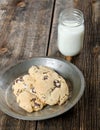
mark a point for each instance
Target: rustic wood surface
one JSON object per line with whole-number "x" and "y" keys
{"x": 28, "y": 28}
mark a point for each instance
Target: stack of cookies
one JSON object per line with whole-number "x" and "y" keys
{"x": 40, "y": 87}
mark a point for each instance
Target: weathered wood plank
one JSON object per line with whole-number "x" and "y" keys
{"x": 86, "y": 113}
{"x": 24, "y": 31}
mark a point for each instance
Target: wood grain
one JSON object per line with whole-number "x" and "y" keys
{"x": 86, "y": 113}
{"x": 24, "y": 31}
{"x": 28, "y": 28}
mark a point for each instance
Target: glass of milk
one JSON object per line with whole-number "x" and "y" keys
{"x": 70, "y": 32}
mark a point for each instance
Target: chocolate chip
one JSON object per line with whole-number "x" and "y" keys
{"x": 33, "y": 90}
{"x": 33, "y": 99}
{"x": 57, "y": 83}
{"x": 36, "y": 104}
{"x": 19, "y": 79}
{"x": 16, "y": 80}
{"x": 45, "y": 77}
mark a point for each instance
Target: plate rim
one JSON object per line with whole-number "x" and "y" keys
{"x": 82, "y": 88}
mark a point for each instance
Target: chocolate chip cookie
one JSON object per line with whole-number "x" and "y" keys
{"x": 41, "y": 86}
{"x": 29, "y": 102}
{"x": 50, "y": 87}
{"x": 23, "y": 90}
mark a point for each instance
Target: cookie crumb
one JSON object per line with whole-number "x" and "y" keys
{"x": 21, "y": 4}
{"x": 3, "y": 50}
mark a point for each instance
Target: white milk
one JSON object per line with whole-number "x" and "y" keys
{"x": 70, "y": 37}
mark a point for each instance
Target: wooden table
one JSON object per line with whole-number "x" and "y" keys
{"x": 28, "y": 28}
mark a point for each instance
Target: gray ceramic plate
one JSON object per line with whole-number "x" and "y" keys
{"x": 69, "y": 71}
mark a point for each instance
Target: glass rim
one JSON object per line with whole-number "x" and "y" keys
{"x": 78, "y": 15}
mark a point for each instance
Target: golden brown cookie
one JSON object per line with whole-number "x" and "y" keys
{"x": 49, "y": 86}
{"x": 40, "y": 87}
{"x": 29, "y": 102}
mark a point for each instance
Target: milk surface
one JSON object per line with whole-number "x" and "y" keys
{"x": 70, "y": 38}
